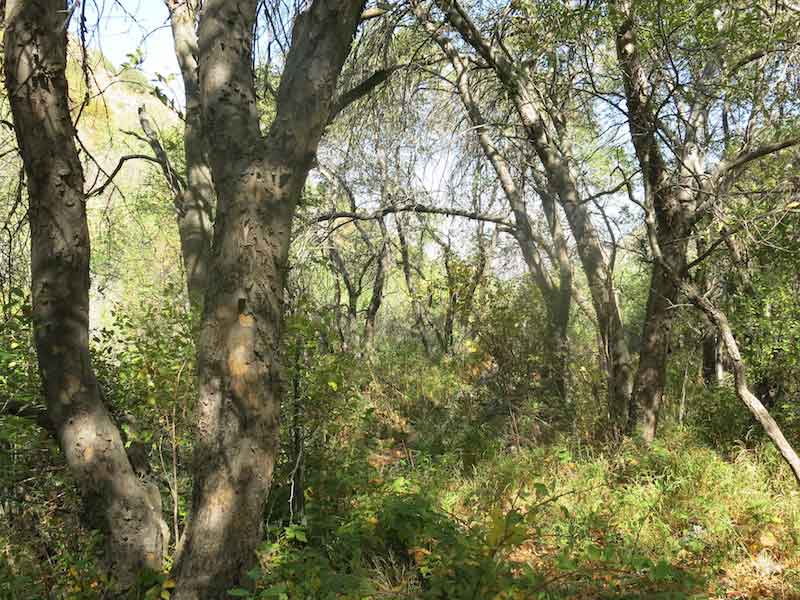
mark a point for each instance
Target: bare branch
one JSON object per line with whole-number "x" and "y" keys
{"x": 415, "y": 208}
{"x": 361, "y": 89}
{"x": 110, "y": 179}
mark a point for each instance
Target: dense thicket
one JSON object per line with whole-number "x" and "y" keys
{"x": 402, "y": 300}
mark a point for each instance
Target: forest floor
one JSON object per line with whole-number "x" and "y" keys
{"x": 401, "y": 519}
{"x": 677, "y": 520}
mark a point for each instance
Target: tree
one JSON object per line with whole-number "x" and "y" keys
{"x": 116, "y": 501}
{"x": 545, "y": 129}
{"x": 680, "y": 190}
{"x": 557, "y": 294}
{"x": 258, "y": 180}
{"x": 195, "y": 205}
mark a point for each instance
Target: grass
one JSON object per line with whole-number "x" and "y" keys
{"x": 672, "y": 521}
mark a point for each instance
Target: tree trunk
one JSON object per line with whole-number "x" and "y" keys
{"x": 258, "y": 182}
{"x": 713, "y": 370}
{"x": 116, "y": 501}
{"x": 753, "y": 404}
{"x": 196, "y": 203}
{"x": 381, "y": 269}
{"x": 419, "y": 311}
{"x": 561, "y": 182}
{"x": 669, "y": 199}
{"x": 652, "y": 371}
{"x": 561, "y": 302}
{"x": 353, "y": 294}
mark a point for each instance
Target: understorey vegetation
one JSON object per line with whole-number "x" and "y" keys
{"x": 400, "y": 300}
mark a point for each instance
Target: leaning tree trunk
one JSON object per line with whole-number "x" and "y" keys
{"x": 753, "y": 404}
{"x": 116, "y": 501}
{"x": 562, "y": 183}
{"x": 258, "y": 183}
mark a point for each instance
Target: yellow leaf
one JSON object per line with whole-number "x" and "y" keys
{"x": 168, "y": 584}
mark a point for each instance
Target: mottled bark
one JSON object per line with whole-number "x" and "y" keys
{"x": 258, "y": 182}
{"x": 668, "y": 197}
{"x": 195, "y": 204}
{"x": 651, "y": 373}
{"x": 561, "y": 299}
{"x": 115, "y": 500}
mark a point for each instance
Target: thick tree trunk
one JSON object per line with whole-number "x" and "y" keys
{"x": 116, "y": 501}
{"x": 258, "y": 183}
{"x": 670, "y": 195}
{"x": 561, "y": 303}
{"x": 196, "y": 203}
{"x": 652, "y": 371}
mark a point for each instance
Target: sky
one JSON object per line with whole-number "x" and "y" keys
{"x": 120, "y": 27}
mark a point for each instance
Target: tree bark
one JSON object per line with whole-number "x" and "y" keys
{"x": 115, "y": 500}
{"x": 668, "y": 197}
{"x": 195, "y": 206}
{"x": 562, "y": 183}
{"x": 651, "y": 373}
{"x": 258, "y": 181}
{"x": 381, "y": 269}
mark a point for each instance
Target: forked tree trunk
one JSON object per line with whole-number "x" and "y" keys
{"x": 258, "y": 183}
{"x": 116, "y": 501}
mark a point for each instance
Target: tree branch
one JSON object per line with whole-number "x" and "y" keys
{"x": 110, "y": 179}
{"x": 415, "y": 208}
{"x": 361, "y": 89}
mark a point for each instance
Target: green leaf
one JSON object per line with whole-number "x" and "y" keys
{"x": 239, "y": 593}
{"x": 541, "y": 490}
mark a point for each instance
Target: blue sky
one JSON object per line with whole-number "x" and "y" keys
{"x": 119, "y": 27}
